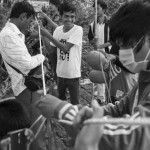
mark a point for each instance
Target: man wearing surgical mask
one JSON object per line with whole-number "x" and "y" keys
{"x": 130, "y": 29}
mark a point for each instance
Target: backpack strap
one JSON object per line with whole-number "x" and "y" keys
{"x": 15, "y": 69}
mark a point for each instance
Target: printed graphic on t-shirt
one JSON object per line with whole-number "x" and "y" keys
{"x": 119, "y": 93}
{"x": 64, "y": 56}
{"x": 115, "y": 70}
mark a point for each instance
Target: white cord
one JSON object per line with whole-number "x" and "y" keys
{"x": 42, "y": 67}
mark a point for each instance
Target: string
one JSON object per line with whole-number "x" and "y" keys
{"x": 95, "y": 38}
{"x": 42, "y": 67}
{"x": 109, "y": 97}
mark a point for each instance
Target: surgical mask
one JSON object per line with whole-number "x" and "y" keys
{"x": 127, "y": 59}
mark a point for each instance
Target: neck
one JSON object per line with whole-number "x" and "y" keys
{"x": 14, "y": 21}
{"x": 67, "y": 28}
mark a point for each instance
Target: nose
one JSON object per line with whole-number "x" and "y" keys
{"x": 69, "y": 19}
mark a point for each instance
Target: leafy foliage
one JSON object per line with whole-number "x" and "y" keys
{"x": 85, "y": 13}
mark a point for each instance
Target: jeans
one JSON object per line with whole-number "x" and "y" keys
{"x": 72, "y": 85}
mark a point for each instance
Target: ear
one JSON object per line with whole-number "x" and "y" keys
{"x": 23, "y": 16}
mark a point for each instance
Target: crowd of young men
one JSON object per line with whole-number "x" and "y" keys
{"x": 67, "y": 41}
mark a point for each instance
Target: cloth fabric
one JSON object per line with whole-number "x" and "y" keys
{"x": 69, "y": 64}
{"x": 15, "y": 52}
{"x": 121, "y": 82}
{"x": 127, "y": 137}
{"x": 51, "y": 106}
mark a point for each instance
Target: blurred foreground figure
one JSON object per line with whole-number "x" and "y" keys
{"x": 13, "y": 117}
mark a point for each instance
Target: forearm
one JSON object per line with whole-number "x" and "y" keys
{"x": 33, "y": 61}
{"x": 47, "y": 45}
{"x": 51, "y": 23}
{"x": 104, "y": 45}
{"x": 58, "y": 44}
{"x": 51, "y": 106}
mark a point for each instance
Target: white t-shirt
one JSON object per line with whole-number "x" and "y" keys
{"x": 69, "y": 64}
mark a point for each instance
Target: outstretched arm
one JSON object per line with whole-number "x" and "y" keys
{"x": 50, "y": 21}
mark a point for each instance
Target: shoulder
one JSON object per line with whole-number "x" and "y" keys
{"x": 78, "y": 28}
{"x": 59, "y": 28}
{"x": 5, "y": 32}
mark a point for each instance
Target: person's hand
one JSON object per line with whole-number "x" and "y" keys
{"x": 29, "y": 135}
{"x": 90, "y": 135}
{"x": 84, "y": 114}
{"x": 47, "y": 104}
{"x": 43, "y": 15}
{"x": 111, "y": 57}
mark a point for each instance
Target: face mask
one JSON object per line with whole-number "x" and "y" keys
{"x": 127, "y": 59}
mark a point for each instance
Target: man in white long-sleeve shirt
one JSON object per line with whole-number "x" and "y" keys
{"x": 15, "y": 53}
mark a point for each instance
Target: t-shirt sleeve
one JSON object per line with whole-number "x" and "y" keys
{"x": 76, "y": 37}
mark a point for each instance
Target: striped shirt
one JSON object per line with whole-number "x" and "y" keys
{"x": 15, "y": 52}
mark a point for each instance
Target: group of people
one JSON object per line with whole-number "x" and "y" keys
{"x": 127, "y": 32}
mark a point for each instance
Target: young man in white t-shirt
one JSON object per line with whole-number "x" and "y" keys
{"x": 67, "y": 40}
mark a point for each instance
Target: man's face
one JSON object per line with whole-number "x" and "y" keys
{"x": 142, "y": 54}
{"x": 68, "y": 19}
{"x": 25, "y": 22}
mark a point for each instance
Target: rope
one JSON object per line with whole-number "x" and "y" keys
{"x": 40, "y": 128}
{"x": 42, "y": 67}
{"x": 38, "y": 131}
{"x": 95, "y": 37}
{"x": 37, "y": 120}
{"x": 109, "y": 97}
{"x": 130, "y": 122}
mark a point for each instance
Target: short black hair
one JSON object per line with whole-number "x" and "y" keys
{"x": 22, "y": 7}
{"x": 66, "y": 7}
{"x": 101, "y": 3}
{"x": 130, "y": 23}
{"x": 12, "y": 117}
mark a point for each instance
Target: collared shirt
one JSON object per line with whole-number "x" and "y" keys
{"x": 15, "y": 52}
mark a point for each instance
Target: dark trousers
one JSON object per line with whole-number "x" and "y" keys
{"x": 72, "y": 85}
{"x": 28, "y": 98}
{"x": 53, "y": 58}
